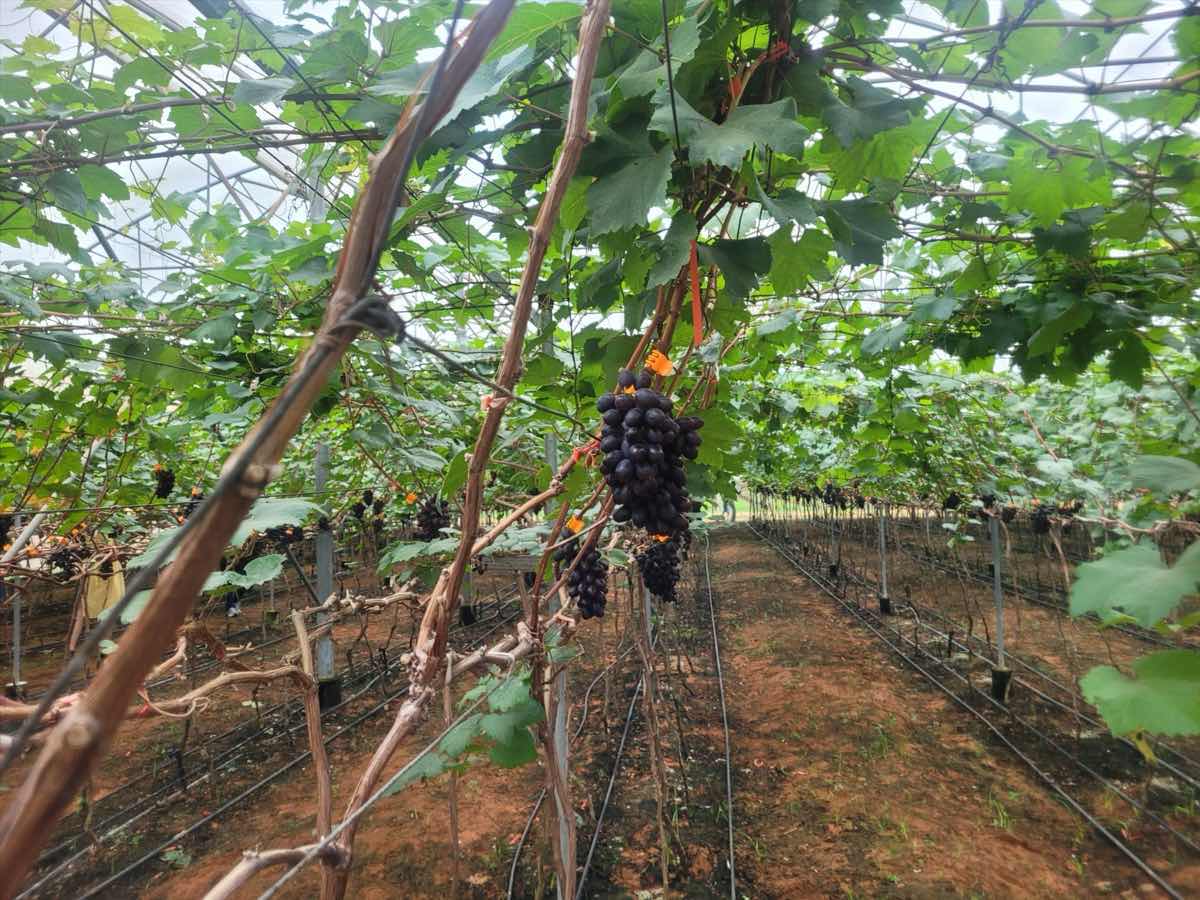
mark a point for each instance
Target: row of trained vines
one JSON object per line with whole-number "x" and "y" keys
{"x": 364, "y": 364}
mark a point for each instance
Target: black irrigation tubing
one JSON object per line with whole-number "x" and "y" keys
{"x": 925, "y": 612}
{"x": 285, "y": 708}
{"x": 921, "y": 613}
{"x": 724, "y": 722}
{"x": 612, "y": 781}
{"x": 248, "y": 792}
{"x": 537, "y": 803}
{"x": 862, "y": 615}
{"x": 1037, "y": 598}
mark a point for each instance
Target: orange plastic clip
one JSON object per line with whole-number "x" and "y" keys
{"x": 659, "y": 364}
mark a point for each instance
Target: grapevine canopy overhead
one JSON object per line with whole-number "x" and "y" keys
{"x": 892, "y": 193}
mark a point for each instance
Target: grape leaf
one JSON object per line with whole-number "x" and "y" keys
{"x": 1135, "y": 582}
{"x": 1163, "y": 697}
{"x": 624, "y": 198}
{"x": 1166, "y": 475}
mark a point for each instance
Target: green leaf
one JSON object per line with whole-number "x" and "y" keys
{"x": 884, "y": 338}
{"x": 787, "y": 206}
{"x": 742, "y": 263}
{"x": 794, "y": 263}
{"x": 132, "y": 611}
{"x": 1048, "y": 337}
{"x": 424, "y": 459}
{"x": 488, "y": 79}
{"x": 871, "y": 110}
{"x": 264, "y": 90}
{"x": 1162, "y": 698}
{"x": 529, "y": 21}
{"x": 1166, "y": 475}
{"x": 1129, "y": 360}
{"x": 429, "y": 766}
{"x": 148, "y": 71}
{"x": 98, "y": 181}
{"x": 274, "y": 512}
{"x": 1046, "y": 190}
{"x": 68, "y": 191}
{"x": 623, "y": 199}
{"x": 456, "y": 474}
{"x": 675, "y": 250}
{"x": 1135, "y": 582}
{"x": 259, "y": 570}
{"x": 860, "y": 228}
{"x": 219, "y": 330}
{"x": 520, "y": 750}
{"x": 771, "y": 125}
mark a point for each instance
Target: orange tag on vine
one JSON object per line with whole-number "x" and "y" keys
{"x": 574, "y": 524}
{"x": 410, "y": 497}
{"x": 697, "y": 313}
{"x": 661, "y": 538}
{"x": 657, "y": 363}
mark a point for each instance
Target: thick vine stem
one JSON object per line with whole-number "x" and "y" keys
{"x": 429, "y": 650}
{"x": 253, "y": 862}
{"x": 434, "y": 627}
{"x": 77, "y": 744}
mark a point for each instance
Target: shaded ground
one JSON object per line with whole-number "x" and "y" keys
{"x": 852, "y": 777}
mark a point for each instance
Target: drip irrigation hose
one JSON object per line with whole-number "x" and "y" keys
{"x": 920, "y": 612}
{"x": 28, "y": 892}
{"x": 541, "y": 797}
{"x": 1043, "y": 775}
{"x": 724, "y": 722}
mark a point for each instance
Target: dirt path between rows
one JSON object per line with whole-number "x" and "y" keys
{"x": 851, "y": 776}
{"x": 854, "y": 779}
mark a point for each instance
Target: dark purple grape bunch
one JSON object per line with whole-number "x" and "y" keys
{"x": 164, "y": 481}
{"x": 588, "y": 582}
{"x": 644, "y": 449}
{"x": 193, "y": 504}
{"x": 283, "y": 536}
{"x": 659, "y": 565}
{"x": 432, "y": 517}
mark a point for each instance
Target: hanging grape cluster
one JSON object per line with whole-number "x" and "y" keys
{"x": 644, "y": 447}
{"x": 193, "y": 504}
{"x": 659, "y": 565}
{"x": 164, "y": 482}
{"x": 433, "y": 516}
{"x": 284, "y": 536}
{"x": 588, "y": 582}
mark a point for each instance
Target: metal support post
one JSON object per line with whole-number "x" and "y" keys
{"x": 16, "y": 689}
{"x": 1001, "y": 674}
{"x": 885, "y": 600}
{"x": 329, "y": 685}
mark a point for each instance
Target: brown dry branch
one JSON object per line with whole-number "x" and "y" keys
{"x": 78, "y": 743}
{"x": 429, "y": 650}
{"x": 316, "y": 741}
{"x": 254, "y": 862}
